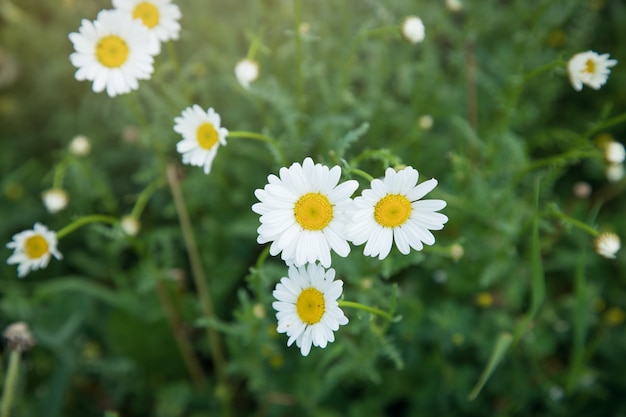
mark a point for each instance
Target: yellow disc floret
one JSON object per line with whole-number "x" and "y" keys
{"x": 392, "y": 210}
{"x": 590, "y": 66}
{"x": 313, "y": 211}
{"x": 112, "y": 51}
{"x": 206, "y": 135}
{"x": 148, "y": 13}
{"x": 35, "y": 246}
{"x": 310, "y": 306}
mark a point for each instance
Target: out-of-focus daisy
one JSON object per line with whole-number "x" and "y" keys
{"x": 392, "y": 210}
{"x": 607, "y": 244}
{"x": 413, "y": 29}
{"x": 55, "y": 199}
{"x": 454, "y": 5}
{"x": 589, "y": 68}
{"x": 614, "y": 172}
{"x": 114, "y": 51}
{"x": 307, "y": 309}
{"x": 159, "y": 16}
{"x": 614, "y": 152}
{"x": 202, "y": 135}
{"x": 304, "y": 213}
{"x": 80, "y": 145}
{"x": 425, "y": 122}
{"x": 32, "y": 249}
{"x": 246, "y": 71}
{"x": 130, "y": 225}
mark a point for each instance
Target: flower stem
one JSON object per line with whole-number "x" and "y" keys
{"x": 278, "y": 153}
{"x": 145, "y": 195}
{"x": 59, "y": 174}
{"x": 297, "y": 7}
{"x": 10, "y": 382}
{"x": 362, "y": 174}
{"x": 94, "y": 218}
{"x": 574, "y": 222}
{"x": 373, "y": 310}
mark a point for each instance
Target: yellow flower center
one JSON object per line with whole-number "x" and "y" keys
{"x": 206, "y": 135}
{"x": 112, "y": 51}
{"x": 392, "y": 210}
{"x": 310, "y": 306}
{"x": 148, "y": 13}
{"x": 35, "y": 246}
{"x": 313, "y": 211}
{"x": 590, "y": 66}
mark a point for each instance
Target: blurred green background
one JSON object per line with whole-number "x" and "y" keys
{"x": 498, "y": 140}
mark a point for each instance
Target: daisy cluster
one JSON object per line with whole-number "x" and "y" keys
{"x": 117, "y": 49}
{"x": 307, "y": 213}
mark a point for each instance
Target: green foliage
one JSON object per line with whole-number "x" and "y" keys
{"x": 511, "y": 307}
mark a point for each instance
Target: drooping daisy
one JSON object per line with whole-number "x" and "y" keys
{"x": 202, "y": 135}
{"x": 246, "y": 72}
{"x": 159, "y": 16}
{"x": 607, "y": 244}
{"x": 304, "y": 213}
{"x": 589, "y": 68}
{"x": 392, "y": 210}
{"x": 55, "y": 199}
{"x": 114, "y": 51}
{"x": 413, "y": 29}
{"x": 307, "y": 309}
{"x": 32, "y": 249}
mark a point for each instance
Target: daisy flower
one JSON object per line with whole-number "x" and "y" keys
{"x": 307, "y": 309}
{"x": 392, "y": 211}
{"x": 55, "y": 199}
{"x": 607, "y": 244}
{"x": 159, "y": 16}
{"x": 304, "y": 213}
{"x": 32, "y": 249}
{"x": 246, "y": 72}
{"x": 413, "y": 29}
{"x": 202, "y": 135}
{"x": 114, "y": 51}
{"x": 614, "y": 152}
{"x": 589, "y": 68}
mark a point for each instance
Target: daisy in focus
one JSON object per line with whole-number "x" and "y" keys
{"x": 307, "y": 309}
{"x": 202, "y": 135}
{"x": 304, "y": 213}
{"x": 114, "y": 52}
{"x": 589, "y": 68}
{"x": 246, "y": 72}
{"x": 392, "y": 211}
{"x": 159, "y": 16}
{"x": 413, "y": 29}
{"x": 32, "y": 249}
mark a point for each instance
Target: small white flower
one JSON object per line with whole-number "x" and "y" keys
{"x": 607, "y": 244}
{"x": 614, "y": 172}
{"x": 392, "y": 210}
{"x": 589, "y": 68}
{"x": 55, "y": 199}
{"x": 159, "y": 16}
{"x": 413, "y": 29}
{"x": 614, "y": 152}
{"x": 304, "y": 213}
{"x": 454, "y": 5}
{"x": 246, "y": 71}
{"x": 32, "y": 249}
{"x": 114, "y": 51}
{"x": 130, "y": 225}
{"x": 202, "y": 135}
{"x": 425, "y": 122}
{"x": 307, "y": 308}
{"x": 80, "y": 145}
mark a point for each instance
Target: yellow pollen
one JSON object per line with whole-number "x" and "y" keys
{"x": 310, "y": 306}
{"x": 206, "y": 135}
{"x": 112, "y": 51}
{"x": 313, "y": 211}
{"x": 590, "y": 66}
{"x": 148, "y": 13}
{"x": 392, "y": 210}
{"x": 35, "y": 246}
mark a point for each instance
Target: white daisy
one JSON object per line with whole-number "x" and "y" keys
{"x": 392, "y": 211}
{"x": 114, "y": 51}
{"x": 607, "y": 244}
{"x": 32, "y": 249}
{"x": 159, "y": 16}
{"x": 246, "y": 72}
{"x": 589, "y": 68}
{"x": 80, "y": 145}
{"x": 55, "y": 199}
{"x": 614, "y": 152}
{"x": 413, "y": 29}
{"x": 304, "y": 213}
{"x": 307, "y": 309}
{"x": 614, "y": 172}
{"x": 202, "y": 135}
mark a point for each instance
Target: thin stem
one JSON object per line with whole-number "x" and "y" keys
{"x": 145, "y": 195}
{"x": 605, "y": 125}
{"x": 381, "y": 154}
{"x": 262, "y": 138}
{"x": 373, "y": 310}
{"x": 252, "y": 50}
{"x": 171, "y": 51}
{"x": 544, "y": 68}
{"x": 10, "y": 382}
{"x": 362, "y": 174}
{"x": 94, "y": 218}
{"x": 59, "y": 174}
{"x": 297, "y": 7}
{"x": 574, "y": 222}
{"x": 470, "y": 88}
{"x": 200, "y": 281}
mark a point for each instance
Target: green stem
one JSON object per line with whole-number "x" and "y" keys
{"x": 297, "y": 8}
{"x": 252, "y": 50}
{"x": 380, "y": 154}
{"x": 171, "y": 51}
{"x": 574, "y": 222}
{"x": 262, "y": 138}
{"x": 145, "y": 195}
{"x": 362, "y": 174}
{"x": 10, "y": 382}
{"x": 59, "y": 174}
{"x": 544, "y": 68}
{"x": 605, "y": 125}
{"x": 373, "y": 310}
{"x": 94, "y": 218}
